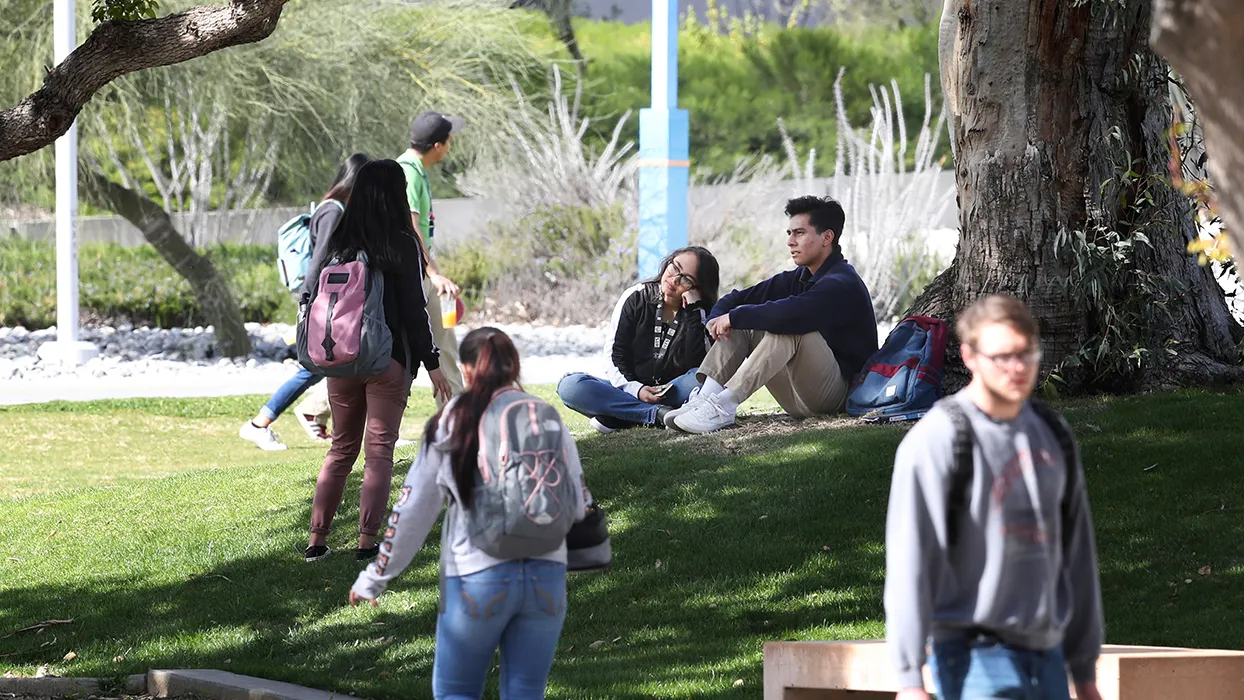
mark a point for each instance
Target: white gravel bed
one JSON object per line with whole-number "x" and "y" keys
{"x": 180, "y": 362}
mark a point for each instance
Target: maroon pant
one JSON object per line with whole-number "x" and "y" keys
{"x": 371, "y": 405}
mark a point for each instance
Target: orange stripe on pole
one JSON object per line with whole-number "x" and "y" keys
{"x": 663, "y": 163}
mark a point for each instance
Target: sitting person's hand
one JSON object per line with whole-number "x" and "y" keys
{"x": 691, "y": 296}
{"x": 647, "y": 395}
{"x": 719, "y": 328}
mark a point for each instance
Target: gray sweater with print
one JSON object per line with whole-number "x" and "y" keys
{"x": 429, "y": 486}
{"x": 1009, "y": 574}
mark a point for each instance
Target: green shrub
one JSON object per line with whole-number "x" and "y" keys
{"x": 134, "y": 285}
{"x": 735, "y": 86}
{"x": 471, "y": 267}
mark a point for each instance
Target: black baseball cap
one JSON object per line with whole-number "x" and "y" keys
{"x": 431, "y": 128}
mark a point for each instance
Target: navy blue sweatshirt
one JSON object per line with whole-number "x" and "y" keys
{"x": 834, "y": 302}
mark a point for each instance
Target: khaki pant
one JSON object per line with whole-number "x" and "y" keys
{"x": 315, "y": 403}
{"x": 799, "y": 370}
{"x": 446, "y": 340}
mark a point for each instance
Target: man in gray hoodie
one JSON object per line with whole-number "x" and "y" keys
{"x": 989, "y": 540}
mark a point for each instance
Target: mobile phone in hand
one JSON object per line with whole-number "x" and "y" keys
{"x": 661, "y": 390}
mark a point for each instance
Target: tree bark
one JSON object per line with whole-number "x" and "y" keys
{"x": 1204, "y": 41}
{"x": 210, "y": 289}
{"x": 119, "y": 47}
{"x": 1050, "y": 103}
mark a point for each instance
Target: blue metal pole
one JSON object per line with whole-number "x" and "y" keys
{"x": 664, "y": 165}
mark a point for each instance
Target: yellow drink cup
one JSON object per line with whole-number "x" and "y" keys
{"x": 449, "y": 311}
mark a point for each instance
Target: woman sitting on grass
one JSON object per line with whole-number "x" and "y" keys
{"x": 657, "y": 342}
{"x": 376, "y": 223}
{"x": 519, "y": 604}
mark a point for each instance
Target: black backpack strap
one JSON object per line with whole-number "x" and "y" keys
{"x": 961, "y": 471}
{"x": 1071, "y": 455}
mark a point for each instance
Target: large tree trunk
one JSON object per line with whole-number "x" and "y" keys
{"x": 119, "y": 47}
{"x": 1058, "y": 120}
{"x": 1204, "y": 41}
{"x": 209, "y": 288}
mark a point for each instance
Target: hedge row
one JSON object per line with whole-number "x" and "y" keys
{"x": 134, "y": 285}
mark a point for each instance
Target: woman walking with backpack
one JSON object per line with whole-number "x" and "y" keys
{"x": 374, "y": 228}
{"x": 488, "y": 599}
{"x": 312, "y": 413}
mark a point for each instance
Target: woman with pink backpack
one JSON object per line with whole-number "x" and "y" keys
{"x": 374, "y": 238}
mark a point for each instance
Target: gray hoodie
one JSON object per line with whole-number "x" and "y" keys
{"x": 1009, "y": 574}
{"x": 429, "y": 484}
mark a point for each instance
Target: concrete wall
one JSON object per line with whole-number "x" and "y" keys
{"x": 456, "y": 219}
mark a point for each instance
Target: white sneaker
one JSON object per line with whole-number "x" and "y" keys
{"x": 403, "y": 443}
{"x": 600, "y": 427}
{"x": 691, "y": 401}
{"x": 263, "y": 438}
{"x": 705, "y": 417}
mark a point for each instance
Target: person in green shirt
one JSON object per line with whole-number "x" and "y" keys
{"x": 430, "y": 137}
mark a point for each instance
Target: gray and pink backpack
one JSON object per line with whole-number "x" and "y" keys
{"x": 342, "y": 331}
{"x": 523, "y": 502}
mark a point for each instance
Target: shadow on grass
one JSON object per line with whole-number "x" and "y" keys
{"x": 771, "y": 531}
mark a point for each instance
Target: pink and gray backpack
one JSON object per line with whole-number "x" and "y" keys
{"x": 342, "y": 332}
{"x": 522, "y": 505}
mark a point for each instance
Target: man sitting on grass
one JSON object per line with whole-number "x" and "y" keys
{"x": 804, "y": 334}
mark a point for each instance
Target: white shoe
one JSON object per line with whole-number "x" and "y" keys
{"x": 600, "y": 427}
{"x": 403, "y": 443}
{"x": 263, "y": 438}
{"x": 705, "y": 417}
{"x": 691, "y": 401}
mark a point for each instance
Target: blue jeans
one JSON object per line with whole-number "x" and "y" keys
{"x": 289, "y": 392}
{"x": 520, "y": 606}
{"x": 593, "y": 397}
{"x": 973, "y": 669}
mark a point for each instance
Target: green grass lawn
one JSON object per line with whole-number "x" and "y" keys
{"x": 170, "y": 543}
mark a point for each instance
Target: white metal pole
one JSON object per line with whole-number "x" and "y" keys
{"x": 66, "y": 192}
{"x": 66, "y": 348}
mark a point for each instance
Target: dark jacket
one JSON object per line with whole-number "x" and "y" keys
{"x": 632, "y": 353}
{"x": 405, "y": 306}
{"x": 834, "y": 302}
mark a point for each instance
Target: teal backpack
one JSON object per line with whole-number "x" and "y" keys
{"x": 293, "y": 252}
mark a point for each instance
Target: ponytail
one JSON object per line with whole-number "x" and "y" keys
{"x": 495, "y": 359}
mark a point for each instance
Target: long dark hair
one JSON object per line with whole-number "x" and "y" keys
{"x": 495, "y": 359}
{"x": 377, "y": 220}
{"x": 708, "y": 277}
{"x": 344, "y": 182}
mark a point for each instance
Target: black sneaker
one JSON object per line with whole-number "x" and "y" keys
{"x": 367, "y": 554}
{"x": 659, "y": 422}
{"x": 317, "y": 553}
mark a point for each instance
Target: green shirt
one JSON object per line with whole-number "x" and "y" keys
{"x": 418, "y": 191}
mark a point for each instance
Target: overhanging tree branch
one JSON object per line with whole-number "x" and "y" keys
{"x": 1204, "y": 41}
{"x": 119, "y": 47}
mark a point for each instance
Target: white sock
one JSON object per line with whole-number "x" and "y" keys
{"x": 725, "y": 399}
{"x": 710, "y": 388}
